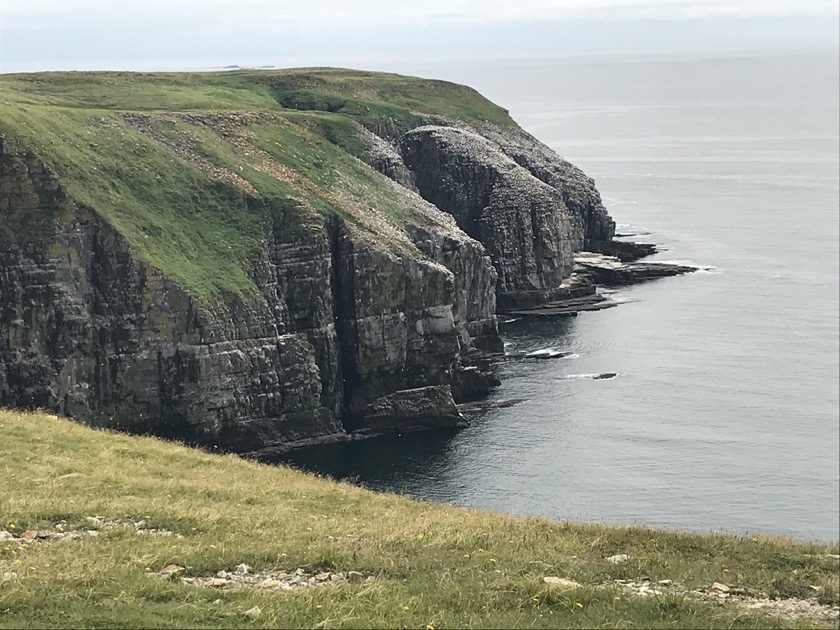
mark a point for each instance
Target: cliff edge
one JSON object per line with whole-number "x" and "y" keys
{"x": 259, "y": 259}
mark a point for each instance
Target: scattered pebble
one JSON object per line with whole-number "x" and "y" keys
{"x": 244, "y": 577}
{"x": 58, "y": 532}
{"x": 789, "y": 609}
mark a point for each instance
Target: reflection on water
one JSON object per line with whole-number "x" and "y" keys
{"x": 404, "y": 463}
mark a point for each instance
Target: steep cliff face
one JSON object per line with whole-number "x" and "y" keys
{"x": 346, "y": 335}
{"x": 531, "y": 208}
{"x": 523, "y": 222}
{"x": 591, "y": 221}
{"x": 285, "y": 257}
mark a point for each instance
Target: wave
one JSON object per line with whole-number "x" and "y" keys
{"x": 551, "y": 353}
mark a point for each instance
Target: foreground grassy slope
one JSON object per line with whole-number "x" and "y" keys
{"x": 431, "y": 565}
{"x": 189, "y": 168}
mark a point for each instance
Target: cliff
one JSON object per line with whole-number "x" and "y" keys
{"x": 254, "y": 259}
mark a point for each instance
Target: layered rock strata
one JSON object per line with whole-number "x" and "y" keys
{"x": 347, "y": 334}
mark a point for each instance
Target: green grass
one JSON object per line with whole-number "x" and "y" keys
{"x": 198, "y": 231}
{"x": 202, "y": 229}
{"x": 432, "y": 564}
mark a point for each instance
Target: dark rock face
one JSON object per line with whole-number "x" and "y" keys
{"x": 625, "y": 251}
{"x": 610, "y": 271}
{"x": 347, "y": 334}
{"x": 523, "y": 223}
{"x": 591, "y": 220}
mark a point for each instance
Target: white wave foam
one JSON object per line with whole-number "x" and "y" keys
{"x": 548, "y": 353}
{"x": 594, "y": 376}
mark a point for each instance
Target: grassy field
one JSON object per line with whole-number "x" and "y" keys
{"x": 189, "y": 168}
{"x": 424, "y": 565}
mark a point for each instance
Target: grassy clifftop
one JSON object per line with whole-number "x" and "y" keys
{"x": 189, "y": 168}
{"x": 107, "y": 530}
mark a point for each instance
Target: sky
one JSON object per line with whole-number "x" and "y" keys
{"x": 205, "y": 34}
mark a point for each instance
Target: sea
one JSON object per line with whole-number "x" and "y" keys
{"x": 723, "y": 415}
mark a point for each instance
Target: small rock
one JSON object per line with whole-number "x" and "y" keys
{"x": 620, "y": 558}
{"x": 72, "y": 475}
{"x": 253, "y": 613}
{"x": 6, "y": 536}
{"x": 815, "y": 588}
{"x": 7, "y": 577}
{"x": 217, "y": 582}
{"x": 644, "y": 578}
{"x": 737, "y": 591}
{"x": 559, "y": 582}
{"x": 170, "y": 569}
{"x": 70, "y": 536}
{"x": 355, "y": 576}
{"x": 323, "y": 577}
{"x": 336, "y": 577}
{"x": 720, "y": 588}
{"x": 222, "y": 574}
{"x": 665, "y": 582}
{"x": 299, "y": 572}
{"x": 242, "y": 569}
{"x": 29, "y": 534}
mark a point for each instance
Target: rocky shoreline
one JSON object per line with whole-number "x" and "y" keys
{"x": 378, "y": 265}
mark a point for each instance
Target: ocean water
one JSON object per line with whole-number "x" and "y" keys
{"x": 724, "y": 413}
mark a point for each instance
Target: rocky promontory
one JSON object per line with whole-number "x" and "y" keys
{"x": 255, "y": 260}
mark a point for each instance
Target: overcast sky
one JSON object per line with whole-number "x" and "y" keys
{"x": 196, "y": 34}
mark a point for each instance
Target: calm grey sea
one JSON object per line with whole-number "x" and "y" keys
{"x": 724, "y": 415}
